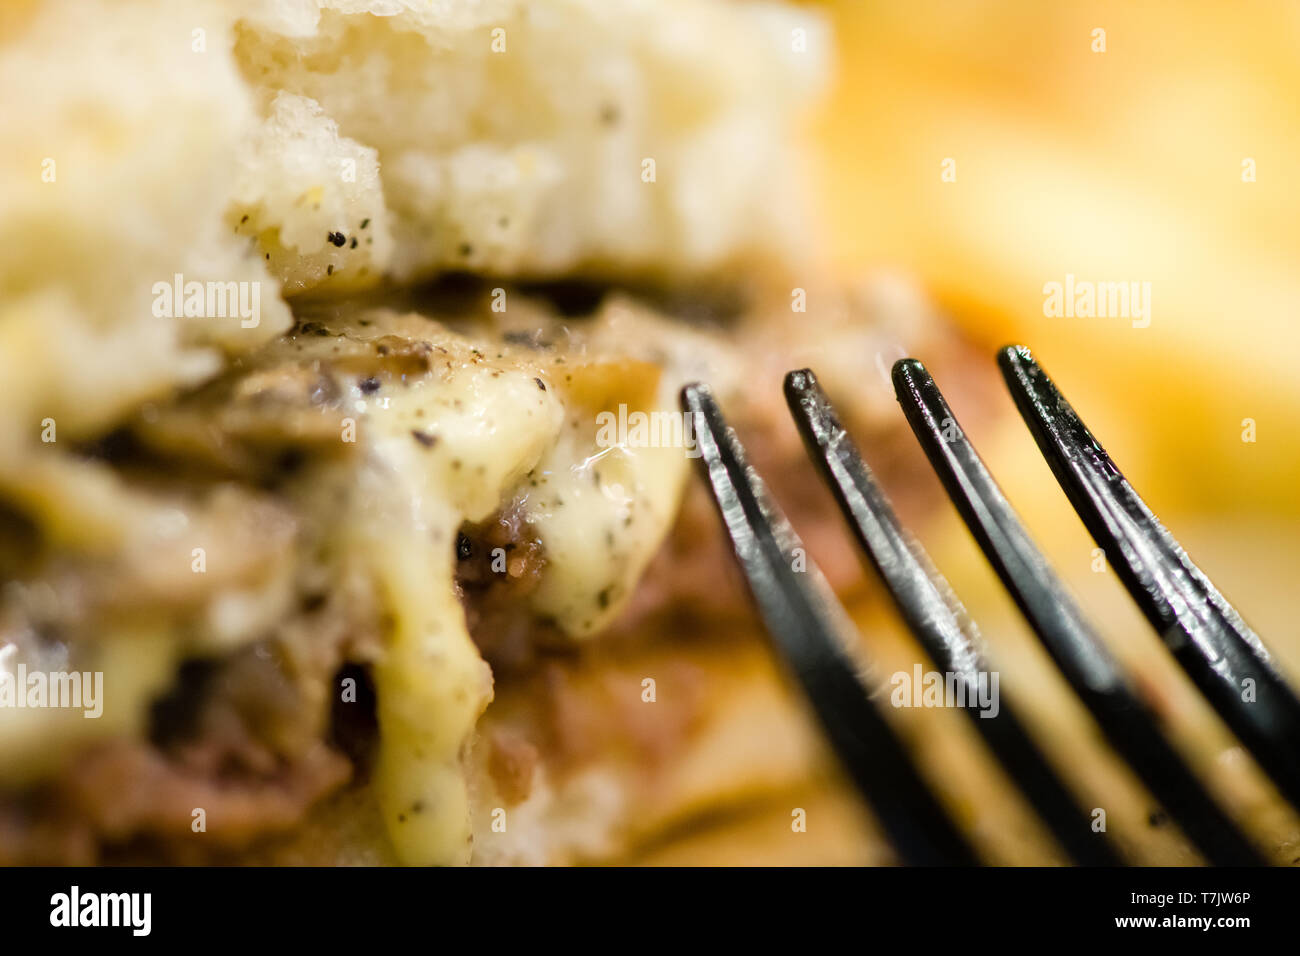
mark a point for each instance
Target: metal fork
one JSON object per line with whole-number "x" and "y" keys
{"x": 811, "y": 631}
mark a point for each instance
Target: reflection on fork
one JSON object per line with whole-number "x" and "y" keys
{"x": 1224, "y": 658}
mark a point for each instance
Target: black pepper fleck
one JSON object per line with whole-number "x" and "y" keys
{"x": 368, "y": 386}
{"x": 425, "y": 439}
{"x": 337, "y": 238}
{"x": 290, "y": 460}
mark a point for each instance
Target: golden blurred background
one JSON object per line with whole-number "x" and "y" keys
{"x": 1122, "y": 165}
{"x": 1125, "y": 155}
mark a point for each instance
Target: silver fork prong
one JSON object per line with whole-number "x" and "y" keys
{"x": 934, "y": 615}
{"x": 1129, "y": 726}
{"x": 1218, "y": 650}
{"x": 811, "y": 631}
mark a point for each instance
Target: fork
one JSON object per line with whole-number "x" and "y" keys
{"x": 811, "y": 631}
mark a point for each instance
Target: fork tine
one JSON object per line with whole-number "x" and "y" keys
{"x": 1130, "y": 727}
{"x": 810, "y": 630}
{"x": 1207, "y": 637}
{"x": 933, "y": 614}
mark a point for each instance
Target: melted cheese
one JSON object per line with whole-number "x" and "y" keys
{"x": 454, "y": 447}
{"x": 482, "y": 427}
{"x": 601, "y": 509}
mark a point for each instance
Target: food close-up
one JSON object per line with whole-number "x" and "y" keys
{"x": 677, "y": 433}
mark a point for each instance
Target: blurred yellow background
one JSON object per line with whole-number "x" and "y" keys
{"x": 1121, "y": 165}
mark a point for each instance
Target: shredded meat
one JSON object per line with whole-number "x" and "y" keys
{"x": 495, "y": 597}
{"x": 246, "y": 739}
